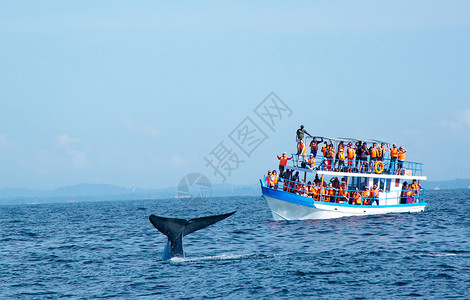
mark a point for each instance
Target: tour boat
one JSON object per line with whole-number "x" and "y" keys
{"x": 298, "y": 200}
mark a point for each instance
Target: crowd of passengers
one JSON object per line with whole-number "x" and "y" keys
{"x": 336, "y": 191}
{"x": 357, "y": 157}
{"x": 360, "y": 158}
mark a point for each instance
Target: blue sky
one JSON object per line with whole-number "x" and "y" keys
{"x": 137, "y": 93}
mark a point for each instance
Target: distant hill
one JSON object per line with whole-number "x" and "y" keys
{"x": 90, "y": 190}
{"x": 107, "y": 192}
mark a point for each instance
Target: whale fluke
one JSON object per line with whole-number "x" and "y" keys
{"x": 175, "y": 229}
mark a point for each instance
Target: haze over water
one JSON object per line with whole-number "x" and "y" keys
{"x": 110, "y": 249}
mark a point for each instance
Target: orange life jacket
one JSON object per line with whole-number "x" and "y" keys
{"x": 313, "y": 145}
{"x": 324, "y": 149}
{"x": 316, "y": 193}
{"x": 311, "y": 162}
{"x": 374, "y": 193}
{"x": 401, "y": 155}
{"x": 373, "y": 153}
{"x": 275, "y": 179}
{"x": 357, "y": 198}
{"x": 365, "y": 196}
{"x": 351, "y": 153}
{"x": 343, "y": 193}
{"x": 394, "y": 152}
{"x": 380, "y": 152}
{"x": 301, "y": 149}
{"x": 331, "y": 152}
{"x": 283, "y": 161}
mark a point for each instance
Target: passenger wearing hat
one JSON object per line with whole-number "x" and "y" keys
{"x": 283, "y": 162}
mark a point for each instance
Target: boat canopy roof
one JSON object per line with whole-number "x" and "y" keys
{"x": 352, "y": 140}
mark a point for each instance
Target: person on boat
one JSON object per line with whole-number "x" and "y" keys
{"x": 358, "y": 155}
{"x": 366, "y": 196}
{"x": 404, "y": 193}
{"x": 309, "y": 189}
{"x": 299, "y": 135}
{"x": 275, "y": 179}
{"x": 374, "y": 194}
{"x": 267, "y": 179}
{"x": 286, "y": 178}
{"x": 339, "y": 148}
{"x": 341, "y": 159}
{"x": 351, "y": 155}
{"x": 343, "y": 193}
{"x": 283, "y": 162}
{"x": 356, "y": 197}
{"x": 393, "y": 159}
{"x": 363, "y": 157}
{"x": 330, "y": 193}
{"x": 311, "y": 162}
{"x": 314, "y": 146}
{"x": 322, "y": 186}
{"x": 316, "y": 191}
{"x": 301, "y": 152}
{"x": 373, "y": 155}
{"x": 401, "y": 157}
{"x": 324, "y": 148}
{"x": 330, "y": 154}
{"x": 293, "y": 182}
{"x": 415, "y": 187}
{"x": 335, "y": 182}
{"x": 381, "y": 152}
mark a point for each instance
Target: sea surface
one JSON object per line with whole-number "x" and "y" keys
{"x": 111, "y": 250}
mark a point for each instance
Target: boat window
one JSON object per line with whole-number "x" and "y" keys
{"x": 380, "y": 183}
{"x": 387, "y": 185}
{"x": 363, "y": 182}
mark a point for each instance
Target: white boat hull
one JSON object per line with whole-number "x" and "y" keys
{"x": 289, "y": 210}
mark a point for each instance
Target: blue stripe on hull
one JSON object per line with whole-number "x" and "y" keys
{"x": 309, "y": 202}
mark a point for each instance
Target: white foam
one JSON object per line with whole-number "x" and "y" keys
{"x": 219, "y": 257}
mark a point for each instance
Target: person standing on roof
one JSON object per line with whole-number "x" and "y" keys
{"x": 381, "y": 152}
{"x": 314, "y": 146}
{"x": 401, "y": 157}
{"x": 351, "y": 155}
{"x": 358, "y": 154}
{"x": 374, "y": 154}
{"x": 363, "y": 157}
{"x": 301, "y": 152}
{"x": 393, "y": 159}
{"x": 340, "y": 148}
{"x": 299, "y": 135}
{"x": 283, "y": 162}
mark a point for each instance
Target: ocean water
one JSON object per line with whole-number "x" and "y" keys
{"x": 111, "y": 250}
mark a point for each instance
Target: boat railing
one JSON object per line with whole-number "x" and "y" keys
{"x": 346, "y": 196}
{"x": 387, "y": 165}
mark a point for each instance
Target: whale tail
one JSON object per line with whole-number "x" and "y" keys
{"x": 175, "y": 229}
